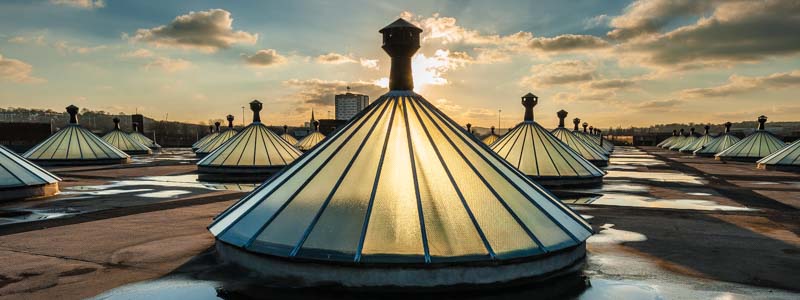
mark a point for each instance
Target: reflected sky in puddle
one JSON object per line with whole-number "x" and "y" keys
{"x": 636, "y": 161}
{"x": 621, "y": 199}
{"x": 656, "y": 176}
{"x": 173, "y": 181}
{"x": 609, "y": 235}
{"x": 23, "y": 215}
{"x": 164, "y": 194}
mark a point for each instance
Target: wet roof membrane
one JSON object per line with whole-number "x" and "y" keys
{"x": 311, "y": 140}
{"x": 19, "y": 174}
{"x": 539, "y": 154}
{"x": 581, "y": 146}
{"x": 400, "y": 185}
{"x": 755, "y": 146}
{"x": 74, "y": 144}
{"x": 124, "y": 142}
{"x": 255, "y": 147}
{"x": 218, "y": 140}
{"x": 788, "y": 157}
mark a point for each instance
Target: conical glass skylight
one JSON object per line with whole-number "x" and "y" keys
{"x": 691, "y": 138}
{"x": 576, "y": 143}
{"x": 677, "y": 140}
{"x": 699, "y": 142}
{"x": 288, "y": 137}
{"x": 721, "y": 142}
{"x": 755, "y": 146}
{"x": 124, "y": 142}
{"x": 310, "y": 140}
{"x": 537, "y": 153}
{"x": 404, "y": 187}
{"x": 218, "y": 140}
{"x": 787, "y": 158}
{"x": 137, "y": 136}
{"x": 255, "y": 149}
{"x": 588, "y": 139}
{"x": 668, "y": 140}
{"x": 491, "y": 138}
{"x": 20, "y": 178}
{"x": 74, "y": 144}
{"x": 208, "y": 137}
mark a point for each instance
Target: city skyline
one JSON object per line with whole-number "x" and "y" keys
{"x": 615, "y": 63}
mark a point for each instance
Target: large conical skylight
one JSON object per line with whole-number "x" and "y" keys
{"x": 721, "y": 142}
{"x": 753, "y": 147}
{"x": 788, "y": 157}
{"x": 537, "y": 153}
{"x": 254, "y": 147}
{"x": 20, "y": 178}
{"x": 124, "y": 142}
{"x": 207, "y": 138}
{"x": 400, "y": 184}
{"x": 576, "y": 143}
{"x": 135, "y": 135}
{"x": 698, "y": 143}
{"x": 491, "y": 138}
{"x": 288, "y": 137}
{"x": 691, "y": 138}
{"x": 311, "y": 140}
{"x": 74, "y": 144}
{"x": 218, "y": 140}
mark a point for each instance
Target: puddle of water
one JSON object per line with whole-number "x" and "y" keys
{"x": 636, "y": 161}
{"x": 609, "y": 235}
{"x": 179, "y": 181}
{"x": 164, "y": 194}
{"x": 699, "y": 194}
{"x": 657, "y": 176}
{"x": 164, "y": 289}
{"x": 765, "y": 183}
{"x": 642, "y": 201}
{"x": 99, "y": 191}
{"x": 30, "y": 215}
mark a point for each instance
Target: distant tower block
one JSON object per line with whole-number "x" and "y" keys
{"x": 347, "y": 105}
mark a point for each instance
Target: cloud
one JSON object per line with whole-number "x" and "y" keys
{"x": 14, "y": 70}
{"x": 612, "y": 83}
{"x": 596, "y": 21}
{"x": 85, "y": 4}
{"x": 659, "y": 105}
{"x": 321, "y": 92}
{"x": 369, "y": 63}
{"x": 445, "y": 31}
{"x": 742, "y": 84}
{"x": 649, "y": 16}
{"x": 65, "y": 48}
{"x": 168, "y": 65}
{"x": 560, "y": 72}
{"x": 335, "y": 58}
{"x": 567, "y": 42}
{"x": 585, "y": 95}
{"x": 736, "y": 31}
{"x": 138, "y": 53}
{"x": 264, "y": 58}
{"x": 35, "y": 40}
{"x": 206, "y": 31}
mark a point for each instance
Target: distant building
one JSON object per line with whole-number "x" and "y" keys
{"x": 349, "y": 104}
{"x": 327, "y": 126}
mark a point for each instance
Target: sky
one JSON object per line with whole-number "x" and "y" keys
{"x": 610, "y": 63}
